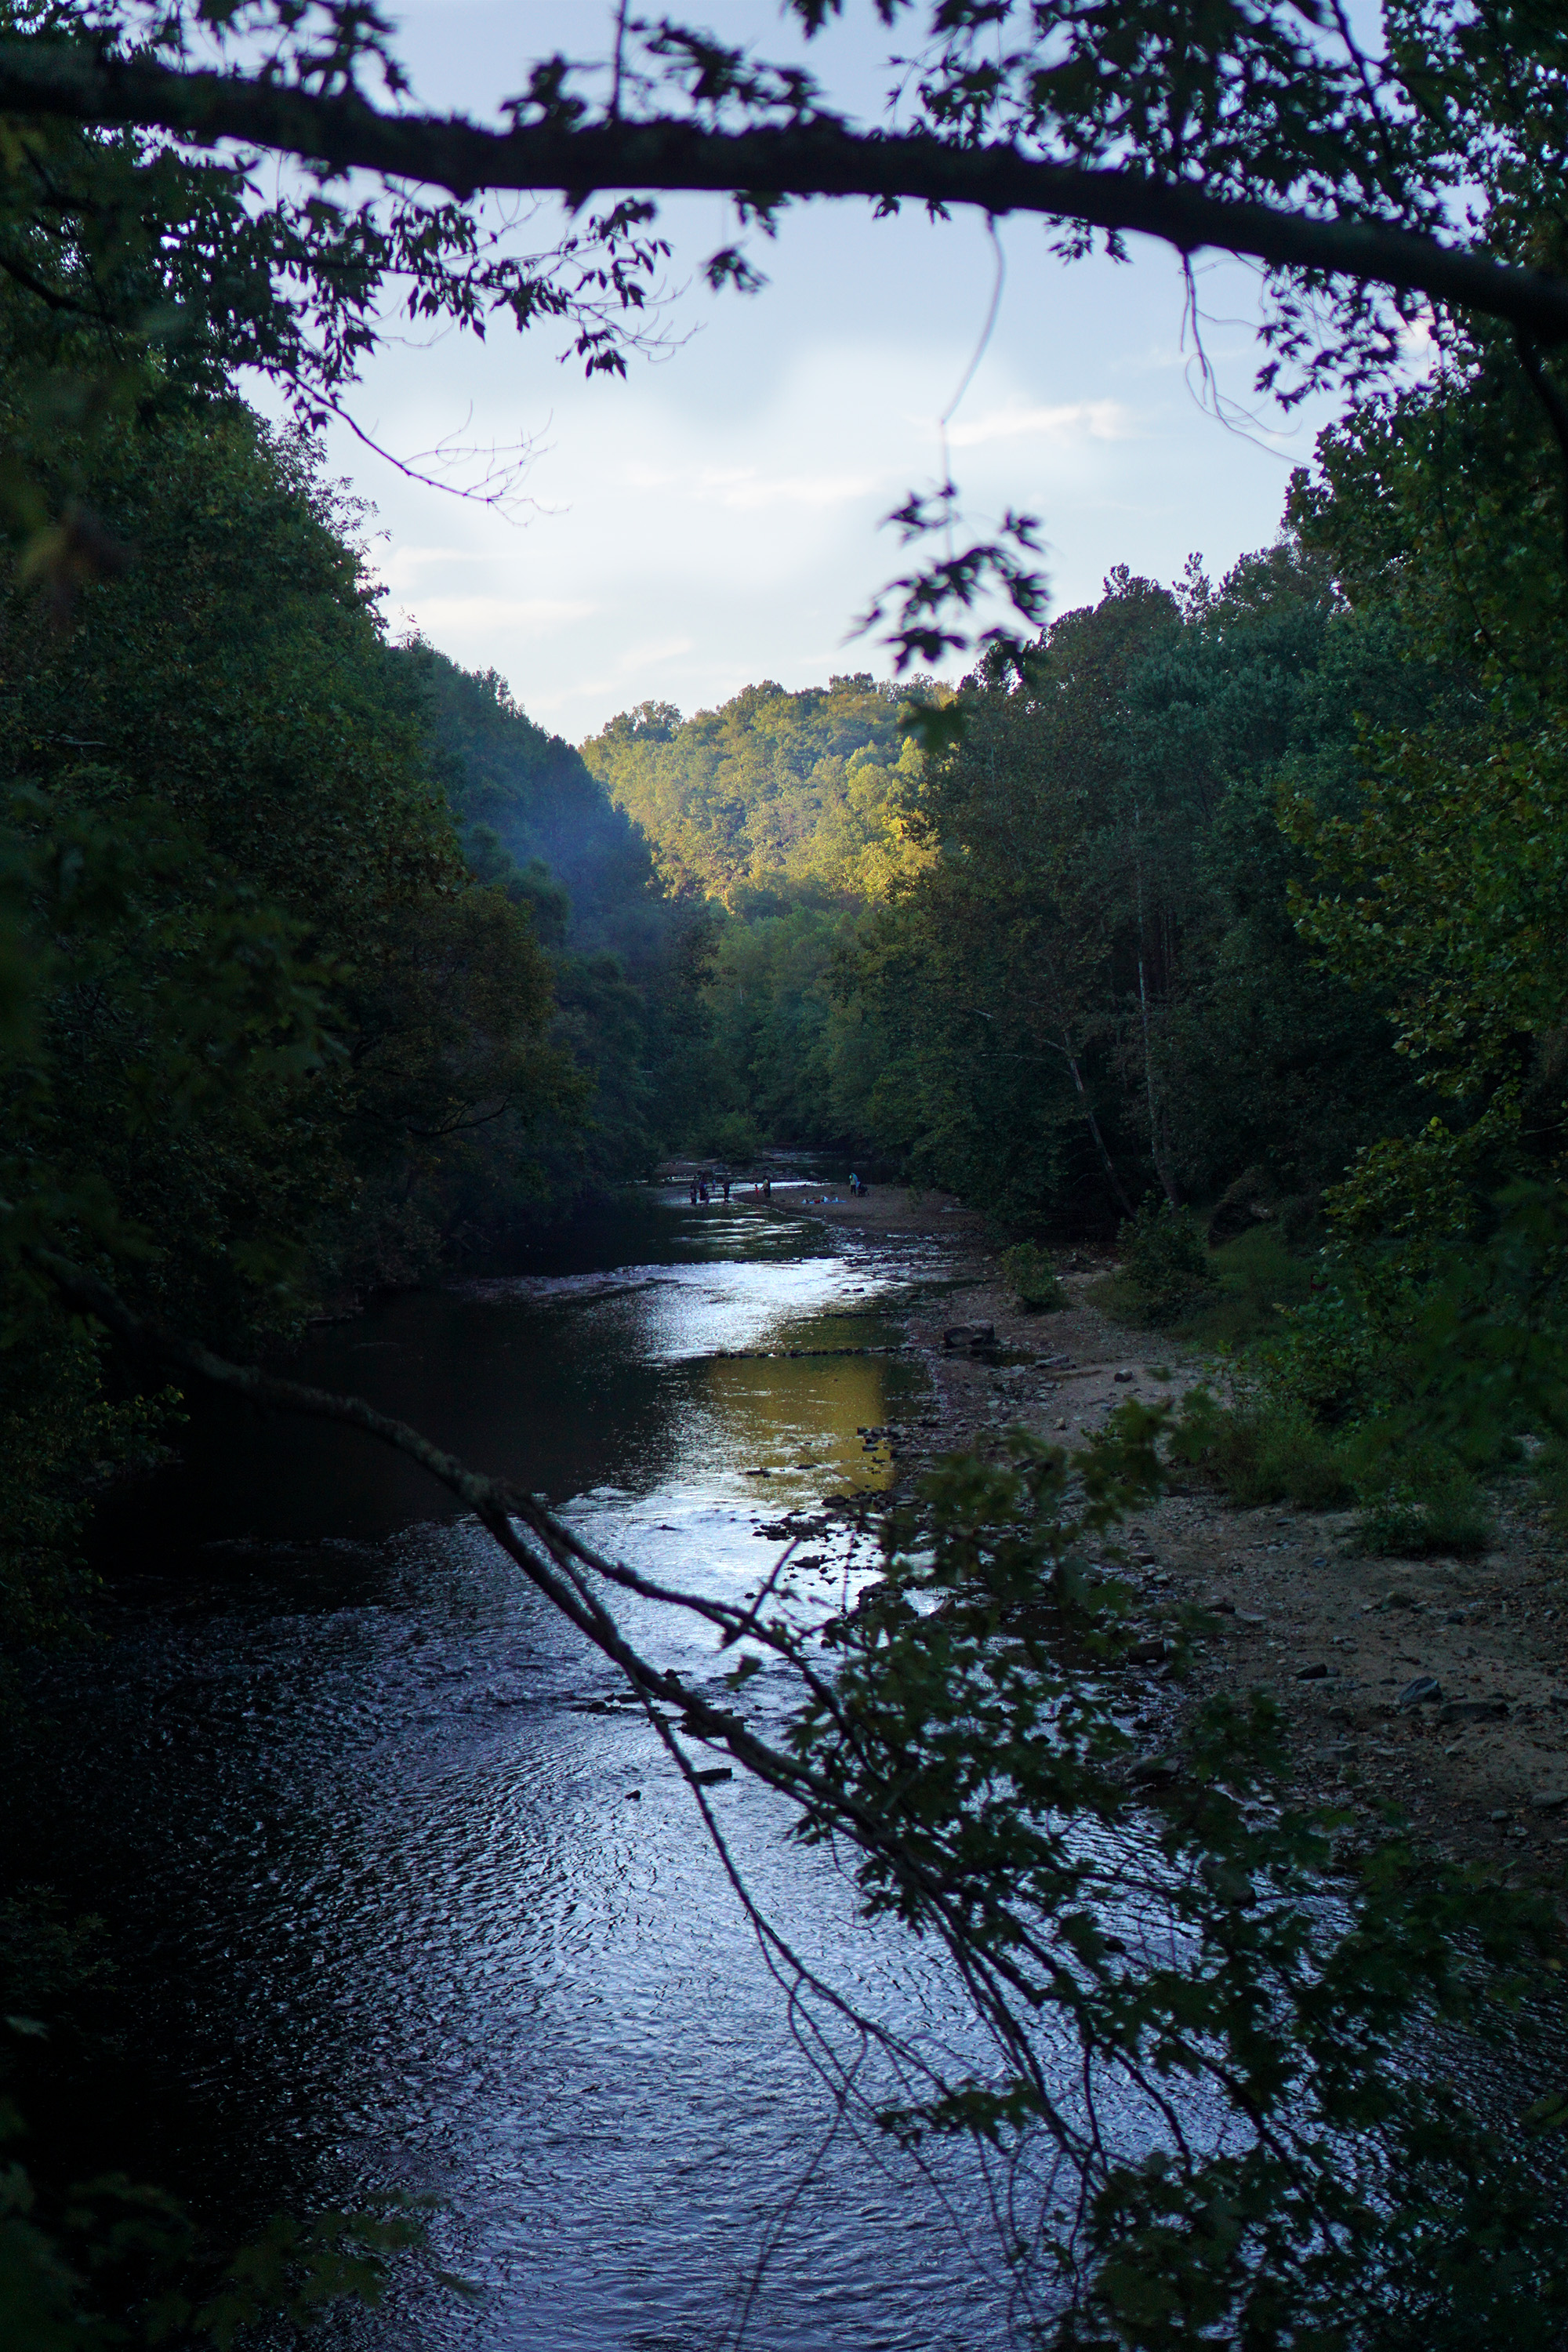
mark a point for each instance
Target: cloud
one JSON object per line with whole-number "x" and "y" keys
{"x": 662, "y": 650}
{"x": 1077, "y": 420}
{"x": 462, "y": 613}
{"x": 400, "y": 566}
{"x": 745, "y": 490}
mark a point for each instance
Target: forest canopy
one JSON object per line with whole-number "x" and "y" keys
{"x": 774, "y": 793}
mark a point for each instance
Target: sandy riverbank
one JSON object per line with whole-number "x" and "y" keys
{"x": 1481, "y": 1768}
{"x": 891, "y": 1209}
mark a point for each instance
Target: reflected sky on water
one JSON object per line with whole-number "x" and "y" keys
{"x": 404, "y": 1896}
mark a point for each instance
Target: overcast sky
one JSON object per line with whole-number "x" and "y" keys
{"x": 713, "y": 520}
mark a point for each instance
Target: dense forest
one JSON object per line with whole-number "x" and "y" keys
{"x": 1221, "y": 908}
{"x": 1127, "y": 936}
{"x": 443, "y": 993}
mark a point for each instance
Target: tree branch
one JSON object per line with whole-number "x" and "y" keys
{"x": 813, "y": 158}
{"x": 551, "y": 1564}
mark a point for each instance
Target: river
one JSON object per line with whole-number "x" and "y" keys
{"x": 399, "y": 1895}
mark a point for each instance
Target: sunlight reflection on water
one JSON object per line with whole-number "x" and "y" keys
{"x": 408, "y": 1898}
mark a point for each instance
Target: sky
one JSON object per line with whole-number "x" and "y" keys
{"x": 717, "y": 519}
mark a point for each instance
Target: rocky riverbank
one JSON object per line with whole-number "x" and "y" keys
{"x": 1437, "y": 1686}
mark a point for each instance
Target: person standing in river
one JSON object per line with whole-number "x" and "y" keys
{"x": 694, "y": 1192}
{"x": 726, "y": 1192}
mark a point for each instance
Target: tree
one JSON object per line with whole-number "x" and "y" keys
{"x": 772, "y": 790}
{"x": 1441, "y": 883}
{"x": 1227, "y": 131}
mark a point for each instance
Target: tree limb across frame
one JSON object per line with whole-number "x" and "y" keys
{"x": 559, "y": 1565}
{"x": 1153, "y": 1972}
{"x": 554, "y": 1562}
{"x": 820, "y": 157}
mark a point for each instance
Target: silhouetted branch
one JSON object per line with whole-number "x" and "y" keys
{"x": 814, "y": 157}
{"x": 553, "y": 1563}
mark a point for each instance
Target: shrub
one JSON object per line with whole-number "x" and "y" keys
{"x": 1033, "y": 1280}
{"x": 1262, "y": 1452}
{"x": 1260, "y": 1282}
{"x": 1425, "y": 1506}
{"x": 1346, "y": 1352}
{"x": 1166, "y": 1262}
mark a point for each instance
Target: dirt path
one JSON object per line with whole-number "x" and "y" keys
{"x": 1478, "y": 1761}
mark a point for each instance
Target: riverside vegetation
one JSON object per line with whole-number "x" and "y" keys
{"x": 1222, "y": 918}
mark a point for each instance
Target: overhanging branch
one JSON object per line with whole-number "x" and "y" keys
{"x": 813, "y": 158}
{"x": 551, "y": 1562}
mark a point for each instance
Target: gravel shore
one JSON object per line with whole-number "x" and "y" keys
{"x": 1436, "y": 1686}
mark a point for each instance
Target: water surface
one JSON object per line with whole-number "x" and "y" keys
{"x": 404, "y": 1896}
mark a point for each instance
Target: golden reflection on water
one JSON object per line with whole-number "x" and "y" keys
{"x": 780, "y": 1413}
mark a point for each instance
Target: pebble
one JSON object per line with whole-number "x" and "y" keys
{"x": 1425, "y": 1688}
{"x": 1315, "y": 1674}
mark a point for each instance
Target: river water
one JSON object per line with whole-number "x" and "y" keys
{"x": 401, "y": 1897}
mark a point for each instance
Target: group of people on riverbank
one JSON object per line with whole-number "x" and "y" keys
{"x": 703, "y": 1189}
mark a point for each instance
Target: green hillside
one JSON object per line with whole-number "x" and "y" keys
{"x": 772, "y": 791}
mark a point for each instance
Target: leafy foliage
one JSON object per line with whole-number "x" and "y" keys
{"x": 267, "y": 1010}
{"x": 61, "y": 1437}
{"x": 1063, "y": 970}
{"x": 1033, "y": 1280}
{"x": 1166, "y": 1927}
{"x": 773, "y": 790}
{"x": 1166, "y": 1261}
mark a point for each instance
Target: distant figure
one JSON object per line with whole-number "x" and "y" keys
{"x": 854, "y": 1186}
{"x": 726, "y": 1192}
{"x": 767, "y": 1188}
{"x": 694, "y": 1192}
{"x": 703, "y": 1189}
